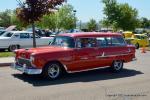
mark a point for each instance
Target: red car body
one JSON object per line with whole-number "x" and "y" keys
{"x": 75, "y": 59}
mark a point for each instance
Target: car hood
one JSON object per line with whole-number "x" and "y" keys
{"x": 48, "y": 49}
{"x": 44, "y": 49}
{"x": 1, "y": 37}
{"x": 26, "y": 53}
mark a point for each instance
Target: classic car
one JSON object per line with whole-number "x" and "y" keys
{"x": 127, "y": 34}
{"x": 12, "y": 40}
{"x": 75, "y": 52}
{"x": 139, "y": 40}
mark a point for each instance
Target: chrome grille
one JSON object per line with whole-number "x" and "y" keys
{"x": 22, "y": 61}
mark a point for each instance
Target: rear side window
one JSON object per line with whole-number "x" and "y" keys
{"x": 110, "y": 41}
{"x": 24, "y": 35}
{"x": 118, "y": 41}
{"x": 102, "y": 42}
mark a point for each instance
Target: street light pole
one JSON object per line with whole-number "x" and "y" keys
{"x": 75, "y": 18}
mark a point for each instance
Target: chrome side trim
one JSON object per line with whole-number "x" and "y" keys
{"x": 84, "y": 58}
{"x": 103, "y": 56}
{"x": 65, "y": 68}
{"x": 88, "y": 69}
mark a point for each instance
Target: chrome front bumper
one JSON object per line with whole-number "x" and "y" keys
{"x": 26, "y": 69}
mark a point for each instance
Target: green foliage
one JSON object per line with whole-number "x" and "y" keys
{"x": 8, "y": 18}
{"x": 6, "y": 54}
{"x": 144, "y": 22}
{"x": 92, "y": 25}
{"x": 15, "y": 21}
{"x": 48, "y": 21}
{"x": 33, "y": 10}
{"x": 5, "y": 18}
{"x": 105, "y": 23}
{"x": 120, "y": 15}
{"x": 64, "y": 18}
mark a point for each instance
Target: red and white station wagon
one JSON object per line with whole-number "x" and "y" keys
{"x": 75, "y": 52}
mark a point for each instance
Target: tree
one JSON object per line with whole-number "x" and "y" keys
{"x": 15, "y": 21}
{"x": 5, "y": 18}
{"x": 128, "y": 17}
{"x": 105, "y": 23}
{"x": 145, "y": 23}
{"x": 120, "y": 15}
{"x": 66, "y": 17}
{"x": 92, "y": 25}
{"x": 48, "y": 21}
{"x": 31, "y": 11}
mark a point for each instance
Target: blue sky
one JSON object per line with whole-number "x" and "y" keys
{"x": 87, "y": 9}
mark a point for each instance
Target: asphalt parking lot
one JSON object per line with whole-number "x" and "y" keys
{"x": 133, "y": 83}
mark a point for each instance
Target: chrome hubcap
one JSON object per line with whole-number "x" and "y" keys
{"x": 118, "y": 65}
{"x": 13, "y": 47}
{"x": 53, "y": 71}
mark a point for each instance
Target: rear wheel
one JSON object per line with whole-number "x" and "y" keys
{"x": 52, "y": 71}
{"x": 117, "y": 66}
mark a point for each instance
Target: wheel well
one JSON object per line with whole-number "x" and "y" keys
{"x": 18, "y": 46}
{"x": 56, "y": 61}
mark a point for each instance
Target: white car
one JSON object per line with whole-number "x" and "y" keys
{"x": 21, "y": 39}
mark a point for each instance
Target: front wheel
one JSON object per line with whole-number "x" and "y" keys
{"x": 52, "y": 71}
{"x": 13, "y": 47}
{"x": 117, "y": 66}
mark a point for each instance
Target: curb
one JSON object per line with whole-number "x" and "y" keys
{"x": 5, "y": 64}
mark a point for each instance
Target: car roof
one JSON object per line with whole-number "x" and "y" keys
{"x": 19, "y": 31}
{"x": 89, "y": 34}
{"x": 140, "y": 34}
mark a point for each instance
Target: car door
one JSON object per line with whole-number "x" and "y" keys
{"x": 103, "y": 52}
{"x": 25, "y": 40}
{"x": 84, "y": 56}
{"x": 41, "y": 41}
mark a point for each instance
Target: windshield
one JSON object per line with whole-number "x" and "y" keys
{"x": 7, "y": 34}
{"x": 2, "y": 32}
{"x": 141, "y": 37}
{"x": 63, "y": 41}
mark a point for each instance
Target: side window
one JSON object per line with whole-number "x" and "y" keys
{"x": 101, "y": 42}
{"x": 86, "y": 42}
{"x": 24, "y": 35}
{"x": 16, "y": 36}
{"x": 110, "y": 41}
{"x": 118, "y": 41}
{"x": 31, "y": 35}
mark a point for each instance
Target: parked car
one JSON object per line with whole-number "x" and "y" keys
{"x": 127, "y": 34}
{"x": 75, "y": 53}
{"x": 139, "y": 40}
{"x": 21, "y": 39}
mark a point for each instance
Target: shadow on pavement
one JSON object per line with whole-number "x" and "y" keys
{"x": 96, "y": 75}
